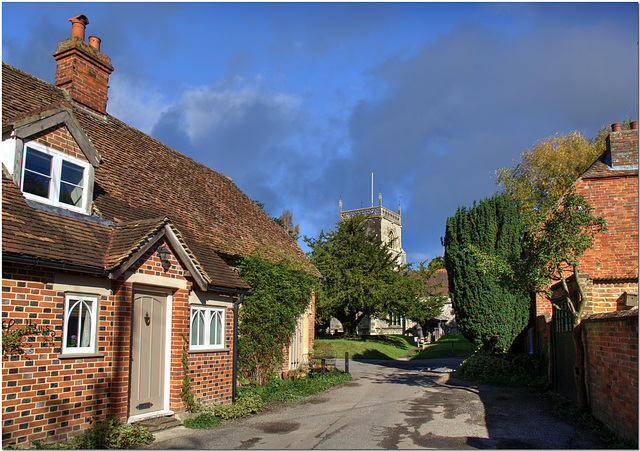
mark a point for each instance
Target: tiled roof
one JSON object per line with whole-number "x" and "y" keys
{"x": 141, "y": 182}
{"x": 600, "y": 169}
{"x": 50, "y": 236}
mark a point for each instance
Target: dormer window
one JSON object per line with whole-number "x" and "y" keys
{"x": 54, "y": 178}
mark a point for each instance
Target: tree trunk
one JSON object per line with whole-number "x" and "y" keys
{"x": 579, "y": 368}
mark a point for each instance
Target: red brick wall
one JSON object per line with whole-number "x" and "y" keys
{"x": 611, "y": 347}
{"x": 614, "y": 253}
{"x": 43, "y": 395}
{"x": 82, "y": 72}
{"x": 60, "y": 139}
{"x": 49, "y": 396}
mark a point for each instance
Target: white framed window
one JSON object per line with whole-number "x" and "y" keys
{"x": 207, "y": 328}
{"x": 54, "y": 178}
{"x": 80, "y": 324}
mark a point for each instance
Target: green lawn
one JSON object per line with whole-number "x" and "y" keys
{"x": 386, "y": 347}
{"x": 443, "y": 348}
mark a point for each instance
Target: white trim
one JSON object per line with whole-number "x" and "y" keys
{"x": 57, "y": 158}
{"x": 207, "y": 327}
{"x": 167, "y": 354}
{"x": 95, "y": 299}
{"x": 156, "y": 281}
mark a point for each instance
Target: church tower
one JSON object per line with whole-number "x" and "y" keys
{"x": 384, "y": 223}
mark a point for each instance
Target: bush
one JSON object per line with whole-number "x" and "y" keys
{"x": 105, "y": 434}
{"x": 204, "y": 420}
{"x": 505, "y": 369}
{"x": 246, "y": 404}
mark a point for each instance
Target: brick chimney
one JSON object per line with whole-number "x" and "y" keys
{"x": 83, "y": 70}
{"x": 623, "y": 146}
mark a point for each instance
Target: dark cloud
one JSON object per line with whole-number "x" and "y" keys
{"x": 300, "y": 103}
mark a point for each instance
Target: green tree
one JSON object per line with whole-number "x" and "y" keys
{"x": 360, "y": 275}
{"x": 425, "y": 298}
{"x": 489, "y": 313}
{"x": 550, "y": 266}
{"x": 436, "y": 263}
{"x": 281, "y": 292}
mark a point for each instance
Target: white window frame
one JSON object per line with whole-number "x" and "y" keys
{"x": 73, "y": 299}
{"x": 56, "y": 163}
{"x": 207, "y": 312}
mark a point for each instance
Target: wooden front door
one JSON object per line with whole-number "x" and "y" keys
{"x": 148, "y": 353}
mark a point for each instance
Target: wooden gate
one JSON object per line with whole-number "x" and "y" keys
{"x": 564, "y": 353}
{"x": 296, "y": 348}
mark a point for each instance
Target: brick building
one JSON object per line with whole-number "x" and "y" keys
{"x": 609, "y": 274}
{"x": 118, "y": 253}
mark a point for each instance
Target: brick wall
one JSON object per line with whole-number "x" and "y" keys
{"x": 614, "y": 253}
{"x": 47, "y": 395}
{"x": 84, "y": 73}
{"x": 43, "y": 394}
{"x": 611, "y": 348}
{"x": 60, "y": 139}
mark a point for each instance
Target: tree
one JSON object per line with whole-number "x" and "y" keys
{"x": 286, "y": 222}
{"x": 360, "y": 275}
{"x": 426, "y": 300}
{"x": 435, "y": 264}
{"x": 547, "y": 171}
{"x": 489, "y": 312}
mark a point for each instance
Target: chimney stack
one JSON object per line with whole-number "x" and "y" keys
{"x": 623, "y": 146}
{"x": 83, "y": 70}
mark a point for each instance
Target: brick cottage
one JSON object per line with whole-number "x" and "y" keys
{"x": 118, "y": 253}
{"x": 609, "y": 274}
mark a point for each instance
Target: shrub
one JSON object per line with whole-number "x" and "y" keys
{"x": 505, "y": 369}
{"x": 246, "y": 404}
{"x": 204, "y": 420}
{"x": 105, "y": 434}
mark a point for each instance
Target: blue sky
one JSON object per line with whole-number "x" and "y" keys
{"x": 300, "y": 102}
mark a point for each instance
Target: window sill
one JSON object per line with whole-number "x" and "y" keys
{"x": 80, "y": 355}
{"x": 202, "y": 351}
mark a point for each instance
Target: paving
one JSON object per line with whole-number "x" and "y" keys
{"x": 396, "y": 405}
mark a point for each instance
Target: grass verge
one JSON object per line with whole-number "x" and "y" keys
{"x": 385, "y": 347}
{"x": 252, "y": 398}
{"x": 454, "y": 345}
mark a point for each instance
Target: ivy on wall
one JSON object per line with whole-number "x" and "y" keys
{"x": 281, "y": 291}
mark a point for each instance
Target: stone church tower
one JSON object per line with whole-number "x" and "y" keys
{"x": 382, "y": 222}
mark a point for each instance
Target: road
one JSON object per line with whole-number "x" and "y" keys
{"x": 396, "y": 405}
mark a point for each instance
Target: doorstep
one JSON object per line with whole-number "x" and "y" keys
{"x": 159, "y": 423}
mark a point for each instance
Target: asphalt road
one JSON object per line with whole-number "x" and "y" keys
{"x": 396, "y": 405}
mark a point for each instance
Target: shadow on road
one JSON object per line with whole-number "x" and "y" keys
{"x": 452, "y": 413}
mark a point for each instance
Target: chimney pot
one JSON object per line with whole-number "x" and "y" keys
{"x": 94, "y": 42}
{"x": 616, "y": 127}
{"x": 634, "y": 125}
{"x": 78, "y": 23}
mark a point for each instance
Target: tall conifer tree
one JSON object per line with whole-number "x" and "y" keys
{"x": 489, "y": 313}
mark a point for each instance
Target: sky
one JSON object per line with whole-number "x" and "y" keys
{"x": 299, "y": 103}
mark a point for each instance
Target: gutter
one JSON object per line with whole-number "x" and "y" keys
{"x": 37, "y": 262}
{"x": 234, "y": 376}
